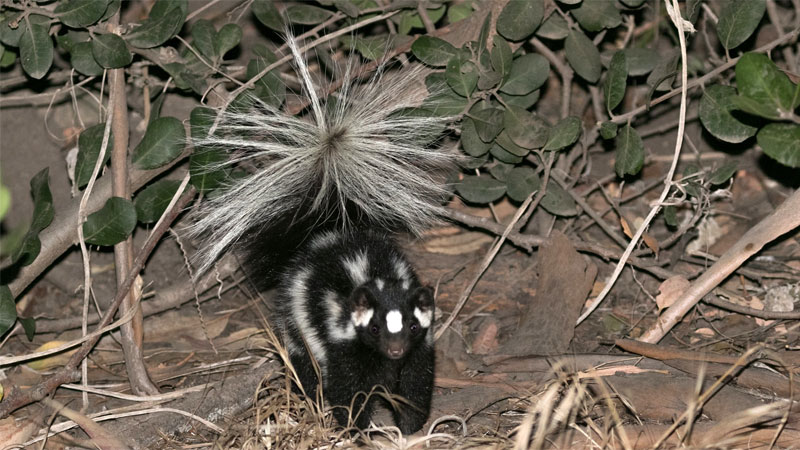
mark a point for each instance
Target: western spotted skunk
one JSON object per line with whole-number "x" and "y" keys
{"x": 314, "y": 216}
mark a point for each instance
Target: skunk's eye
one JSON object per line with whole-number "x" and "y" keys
{"x": 374, "y": 329}
{"x": 414, "y": 328}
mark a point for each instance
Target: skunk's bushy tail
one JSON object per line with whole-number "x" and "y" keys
{"x": 355, "y": 160}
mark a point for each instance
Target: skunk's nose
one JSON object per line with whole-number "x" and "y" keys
{"x": 395, "y": 350}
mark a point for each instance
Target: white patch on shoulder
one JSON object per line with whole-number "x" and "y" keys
{"x": 298, "y": 295}
{"x": 361, "y": 318}
{"x": 425, "y": 318}
{"x": 324, "y": 239}
{"x": 394, "y": 321}
{"x": 357, "y": 268}
{"x": 335, "y": 330}
{"x": 379, "y": 283}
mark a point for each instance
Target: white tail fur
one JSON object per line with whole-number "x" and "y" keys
{"x": 353, "y": 151}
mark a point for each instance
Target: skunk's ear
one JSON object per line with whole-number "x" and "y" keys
{"x": 423, "y": 297}
{"x": 361, "y": 299}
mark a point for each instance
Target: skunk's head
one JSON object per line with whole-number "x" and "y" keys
{"x": 392, "y": 317}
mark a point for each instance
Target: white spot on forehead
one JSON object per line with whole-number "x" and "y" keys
{"x": 361, "y": 317}
{"x": 424, "y": 317}
{"x": 336, "y": 331}
{"x": 394, "y": 321}
{"x": 401, "y": 269}
{"x": 406, "y": 284}
{"x": 322, "y": 240}
{"x": 379, "y": 283}
{"x": 298, "y": 296}
{"x": 357, "y": 268}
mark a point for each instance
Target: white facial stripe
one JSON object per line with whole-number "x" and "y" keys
{"x": 323, "y": 240}
{"x": 394, "y": 321}
{"x": 406, "y": 285}
{"x": 361, "y": 318}
{"x": 335, "y": 330}
{"x": 357, "y": 268}
{"x": 424, "y": 318}
{"x": 379, "y": 283}
{"x": 298, "y": 294}
{"x": 401, "y": 269}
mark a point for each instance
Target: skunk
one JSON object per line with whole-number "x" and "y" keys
{"x": 314, "y": 216}
{"x": 352, "y": 302}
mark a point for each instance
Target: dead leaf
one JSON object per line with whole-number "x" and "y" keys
{"x": 486, "y": 340}
{"x": 671, "y": 290}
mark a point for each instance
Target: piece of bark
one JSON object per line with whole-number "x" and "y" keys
{"x": 548, "y": 321}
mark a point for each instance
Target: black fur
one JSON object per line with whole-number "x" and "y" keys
{"x": 365, "y": 358}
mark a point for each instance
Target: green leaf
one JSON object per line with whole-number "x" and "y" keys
{"x": 500, "y": 170}
{"x": 89, "y": 145}
{"x": 671, "y": 215}
{"x": 470, "y": 141}
{"x": 520, "y": 182}
{"x": 162, "y": 142}
{"x": 503, "y": 155}
{"x": 558, "y": 202}
{"x": 616, "y": 80}
{"x": 723, "y": 173}
{"x": 461, "y": 75}
{"x": 608, "y": 130}
{"x": 519, "y": 19}
{"x": 228, "y": 37}
{"x": 693, "y": 8}
{"x": 528, "y": 73}
{"x": 715, "y": 114}
{"x": 738, "y": 20}
{"x": 442, "y": 101}
{"x": 664, "y": 72}
{"x": 153, "y": 200}
{"x": 410, "y": 19}
{"x": 480, "y": 190}
{"x": 112, "y": 224}
{"x": 306, "y": 14}
{"x": 29, "y": 325}
{"x": 523, "y": 101}
{"x": 459, "y": 12}
{"x": 83, "y": 61}
{"x": 266, "y": 13}
{"x": 5, "y": 201}
{"x": 43, "y": 213}
{"x": 488, "y": 122}
{"x": 110, "y": 51}
{"x": 370, "y": 47}
{"x": 201, "y": 119}
{"x": 433, "y": 51}
{"x": 36, "y": 50}
{"x": 554, "y": 27}
{"x": 524, "y": 128}
{"x": 691, "y": 180}
{"x": 630, "y": 152}
{"x": 203, "y": 37}
{"x": 759, "y": 79}
{"x": 7, "y": 59}
{"x": 205, "y": 174}
{"x": 633, "y": 3}
{"x": 597, "y": 15}
{"x": 113, "y": 7}
{"x": 11, "y": 36}
{"x": 8, "y": 310}
{"x": 269, "y": 88}
{"x": 80, "y": 13}
{"x": 501, "y": 57}
{"x": 583, "y": 56}
{"x": 781, "y": 142}
{"x": 163, "y": 23}
{"x": 641, "y": 61}
{"x": 564, "y": 133}
{"x": 503, "y": 140}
